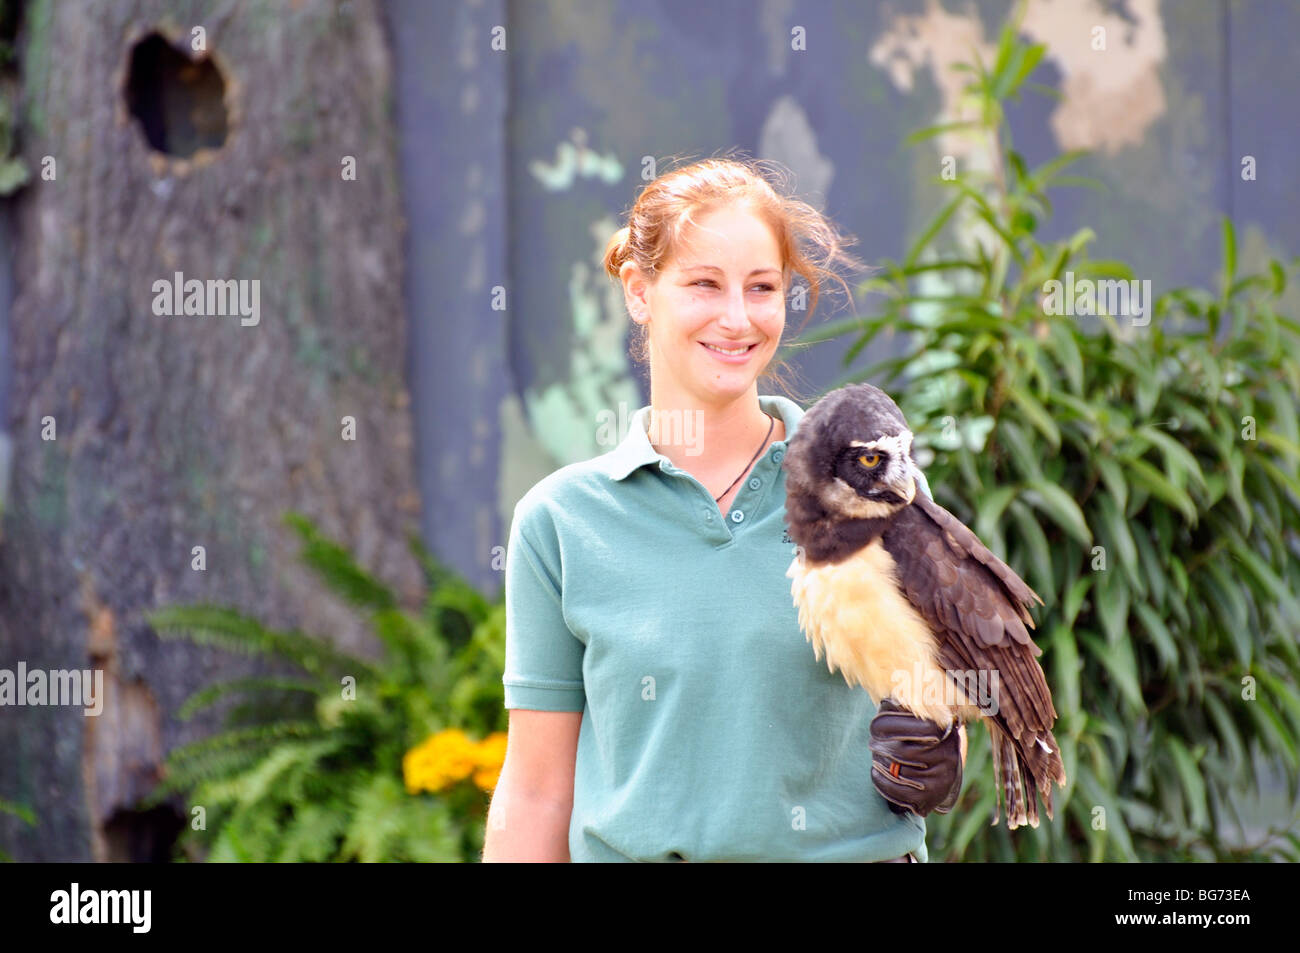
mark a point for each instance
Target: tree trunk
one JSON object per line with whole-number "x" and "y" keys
{"x": 173, "y": 432}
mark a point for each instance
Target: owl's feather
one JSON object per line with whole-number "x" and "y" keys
{"x": 904, "y": 587}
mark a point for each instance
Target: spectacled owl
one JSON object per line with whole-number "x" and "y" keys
{"x": 905, "y": 601}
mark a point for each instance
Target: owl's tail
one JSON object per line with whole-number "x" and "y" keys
{"x": 1023, "y": 773}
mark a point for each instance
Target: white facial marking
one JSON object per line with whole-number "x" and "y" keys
{"x": 898, "y": 444}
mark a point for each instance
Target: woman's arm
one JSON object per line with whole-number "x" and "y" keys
{"x": 533, "y": 803}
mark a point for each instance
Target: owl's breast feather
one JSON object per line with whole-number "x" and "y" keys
{"x": 871, "y": 633}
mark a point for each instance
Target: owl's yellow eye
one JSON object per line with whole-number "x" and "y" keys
{"x": 870, "y": 461}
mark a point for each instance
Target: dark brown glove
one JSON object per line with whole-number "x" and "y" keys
{"x": 915, "y": 764}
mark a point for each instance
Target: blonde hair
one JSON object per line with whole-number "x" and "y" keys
{"x": 809, "y": 244}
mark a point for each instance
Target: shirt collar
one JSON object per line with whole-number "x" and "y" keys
{"x": 636, "y": 451}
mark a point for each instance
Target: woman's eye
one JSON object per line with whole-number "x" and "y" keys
{"x": 870, "y": 461}
{"x": 709, "y": 281}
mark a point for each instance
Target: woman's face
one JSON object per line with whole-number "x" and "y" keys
{"x": 722, "y": 292}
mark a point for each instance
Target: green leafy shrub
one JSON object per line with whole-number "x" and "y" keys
{"x": 1172, "y": 649}
{"x": 310, "y": 767}
{"x": 20, "y": 811}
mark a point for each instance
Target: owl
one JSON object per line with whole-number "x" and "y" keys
{"x": 905, "y": 601}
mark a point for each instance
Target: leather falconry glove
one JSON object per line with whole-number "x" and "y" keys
{"x": 915, "y": 764}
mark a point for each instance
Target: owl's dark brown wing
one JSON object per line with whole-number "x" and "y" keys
{"x": 978, "y": 608}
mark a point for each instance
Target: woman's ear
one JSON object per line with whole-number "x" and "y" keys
{"x": 634, "y": 289}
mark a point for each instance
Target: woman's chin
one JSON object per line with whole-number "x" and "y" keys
{"x": 727, "y": 387}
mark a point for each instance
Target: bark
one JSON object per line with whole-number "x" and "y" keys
{"x": 183, "y": 431}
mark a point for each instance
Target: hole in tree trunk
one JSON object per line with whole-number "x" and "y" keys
{"x": 142, "y": 837}
{"x": 180, "y": 102}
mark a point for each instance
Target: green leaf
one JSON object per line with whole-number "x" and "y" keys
{"x": 1044, "y": 173}
{"x": 336, "y": 567}
{"x": 988, "y": 513}
{"x": 214, "y": 693}
{"x": 1020, "y": 452}
{"x": 1111, "y": 601}
{"x": 1279, "y": 277}
{"x": 1166, "y": 647}
{"x": 1111, "y": 521}
{"x": 1229, "y": 254}
{"x": 931, "y": 230}
{"x": 1040, "y": 566}
{"x": 1032, "y": 57}
{"x": 1066, "y": 351}
{"x": 1278, "y": 442}
{"x": 1118, "y": 660}
{"x": 1190, "y": 777}
{"x": 1231, "y": 607}
{"x": 1037, "y": 416}
{"x": 938, "y": 130}
{"x": 1051, "y": 500}
{"x": 1074, "y": 598}
{"x": 1227, "y": 731}
{"x": 1066, "y": 665}
{"x": 1154, "y": 566}
{"x": 1277, "y": 740}
{"x": 1276, "y": 588}
{"x": 1112, "y": 475}
{"x": 1178, "y": 460}
{"x": 21, "y": 811}
{"x": 232, "y": 630}
{"x": 1154, "y": 482}
{"x": 13, "y": 176}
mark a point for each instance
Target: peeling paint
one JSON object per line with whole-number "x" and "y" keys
{"x": 1110, "y": 97}
{"x": 788, "y": 137}
{"x": 573, "y": 160}
{"x": 563, "y": 415}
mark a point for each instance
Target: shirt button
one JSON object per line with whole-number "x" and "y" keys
{"x": 755, "y": 483}
{"x": 737, "y": 516}
{"x": 776, "y": 456}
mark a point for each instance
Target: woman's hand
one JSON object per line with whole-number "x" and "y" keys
{"x": 915, "y": 765}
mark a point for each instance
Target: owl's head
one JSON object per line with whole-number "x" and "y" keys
{"x": 852, "y": 452}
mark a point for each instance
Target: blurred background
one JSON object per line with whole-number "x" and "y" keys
{"x": 422, "y": 192}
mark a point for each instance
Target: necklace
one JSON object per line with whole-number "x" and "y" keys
{"x": 762, "y": 446}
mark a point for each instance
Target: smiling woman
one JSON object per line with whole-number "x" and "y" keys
{"x": 706, "y": 262}
{"x": 795, "y": 239}
{"x": 664, "y": 704}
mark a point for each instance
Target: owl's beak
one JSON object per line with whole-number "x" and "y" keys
{"x": 905, "y": 487}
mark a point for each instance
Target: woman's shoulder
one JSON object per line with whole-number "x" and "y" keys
{"x": 568, "y": 490}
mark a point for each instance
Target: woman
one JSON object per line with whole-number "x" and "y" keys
{"x": 664, "y": 704}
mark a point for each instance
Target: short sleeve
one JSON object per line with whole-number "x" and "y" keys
{"x": 543, "y": 670}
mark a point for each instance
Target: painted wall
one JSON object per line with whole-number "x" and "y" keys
{"x": 518, "y": 163}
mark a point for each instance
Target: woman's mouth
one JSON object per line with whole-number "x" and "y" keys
{"x": 730, "y": 355}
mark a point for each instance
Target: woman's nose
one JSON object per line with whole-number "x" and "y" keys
{"x": 735, "y": 317}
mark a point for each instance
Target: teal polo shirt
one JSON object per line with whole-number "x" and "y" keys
{"x": 710, "y": 732}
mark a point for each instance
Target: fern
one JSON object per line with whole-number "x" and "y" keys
{"x": 336, "y": 568}
{"x": 215, "y": 693}
{"x": 304, "y": 772}
{"x": 232, "y": 630}
{"x": 23, "y": 813}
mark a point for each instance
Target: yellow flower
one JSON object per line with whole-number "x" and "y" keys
{"x": 440, "y": 760}
{"x": 491, "y": 756}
